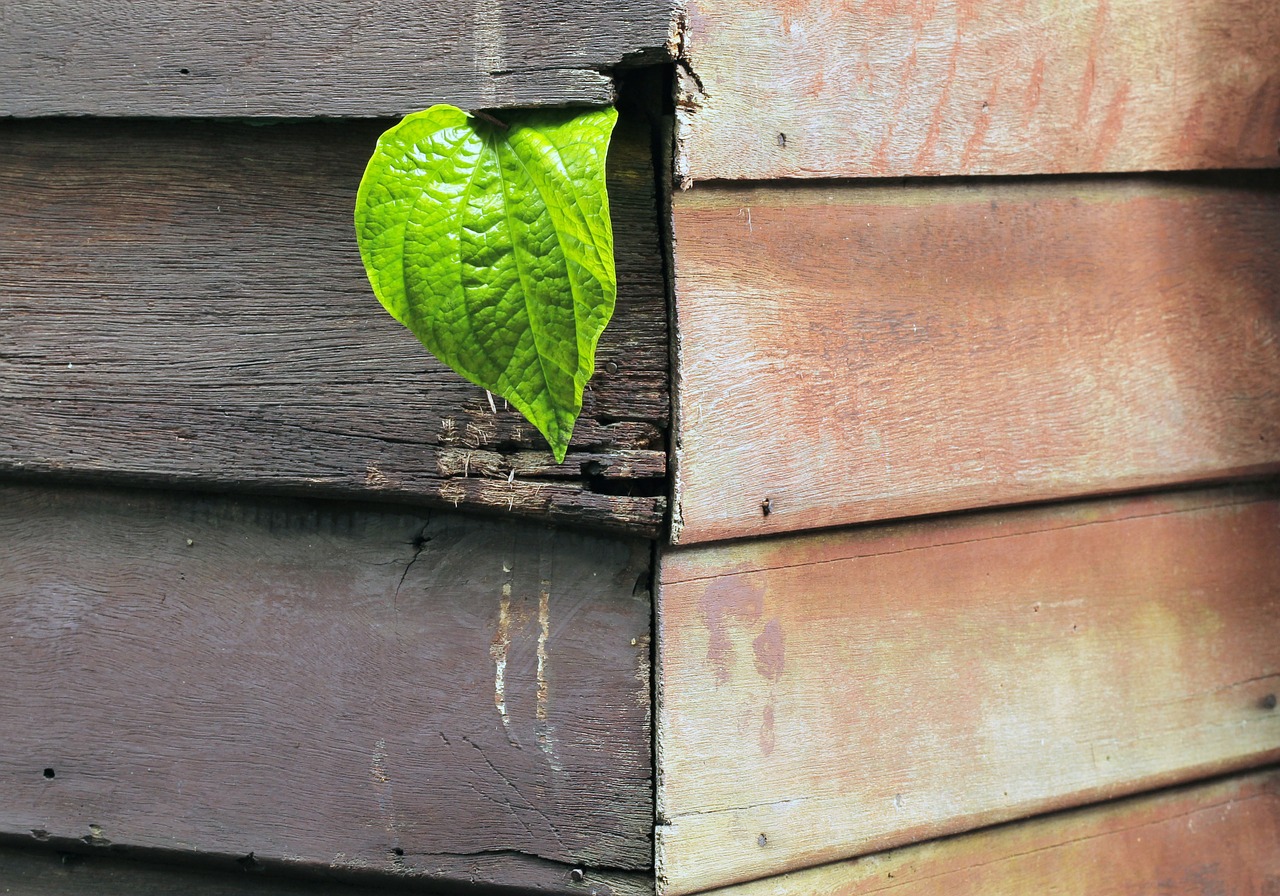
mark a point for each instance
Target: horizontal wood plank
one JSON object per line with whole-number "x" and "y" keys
{"x": 99, "y": 872}
{"x": 776, "y": 88}
{"x": 348, "y": 58}
{"x": 429, "y": 697}
{"x": 852, "y": 353}
{"x": 185, "y": 303}
{"x": 828, "y": 696}
{"x": 1218, "y": 837}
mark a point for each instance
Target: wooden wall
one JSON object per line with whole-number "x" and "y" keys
{"x": 186, "y": 306}
{"x": 975, "y": 516}
{"x": 282, "y": 594}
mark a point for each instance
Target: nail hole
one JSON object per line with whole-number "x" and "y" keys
{"x": 782, "y": 140}
{"x": 397, "y": 851}
{"x": 50, "y": 773}
{"x": 184, "y": 71}
{"x": 1268, "y": 702}
{"x": 762, "y": 840}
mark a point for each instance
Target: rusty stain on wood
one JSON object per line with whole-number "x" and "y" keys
{"x": 876, "y": 686}
{"x": 778, "y": 89}
{"x": 866, "y": 352}
{"x": 1214, "y": 837}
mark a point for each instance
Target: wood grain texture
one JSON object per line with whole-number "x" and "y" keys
{"x": 853, "y": 353}
{"x": 185, "y": 303}
{"x": 1218, "y": 837}
{"x": 99, "y": 872}
{"x": 426, "y": 697}
{"x": 827, "y": 696}
{"x": 348, "y": 58}
{"x": 783, "y": 88}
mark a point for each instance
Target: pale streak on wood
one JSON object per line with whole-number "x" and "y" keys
{"x": 490, "y": 50}
{"x": 828, "y": 696}
{"x": 1216, "y": 837}
{"x": 788, "y": 88}
{"x": 498, "y": 653}
{"x": 312, "y": 683}
{"x": 865, "y": 352}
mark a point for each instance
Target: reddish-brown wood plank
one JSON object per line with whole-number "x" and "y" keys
{"x": 350, "y": 58}
{"x": 1218, "y": 837}
{"x": 781, "y": 88}
{"x": 851, "y": 353}
{"x": 184, "y": 303}
{"x": 422, "y": 697}
{"x": 827, "y": 696}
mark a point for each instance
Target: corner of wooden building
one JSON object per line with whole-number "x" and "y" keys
{"x": 920, "y": 532}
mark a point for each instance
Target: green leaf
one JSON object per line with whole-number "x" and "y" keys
{"x": 494, "y": 246}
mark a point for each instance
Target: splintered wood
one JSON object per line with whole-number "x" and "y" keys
{"x": 828, "y": 696}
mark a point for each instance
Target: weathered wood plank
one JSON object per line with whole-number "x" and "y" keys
{"x": 778, "y": 88}
{"x": 1219, "y": 837}
{"x": 827, "y": 696}
{"x": 350, "y": 58}
{"x": 851, "y": 353}
{"x": 184, "y": 303}
{"x": 48, "y": 872}
{"x": 429, "y": 697}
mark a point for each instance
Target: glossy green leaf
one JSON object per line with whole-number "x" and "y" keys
{"x": 493, "y": 245}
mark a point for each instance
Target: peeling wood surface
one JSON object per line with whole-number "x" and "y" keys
{"x": 427, "y": 697}
{"x": 828, "y": 696}
{"x": 1218, "y": 837}
{"x": 852, "y": 353}
{"x": 781, "y": 88}
{"x": 349, "y": 58}
{"x": 184, "y": 303}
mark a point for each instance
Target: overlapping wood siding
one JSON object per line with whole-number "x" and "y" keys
{"x": 831, "y": 695}
{"x": 284, "y": 594}
{"x": 1005, "y": 273}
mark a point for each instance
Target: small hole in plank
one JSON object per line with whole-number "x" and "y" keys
{"x": 184, "y": 71}
{"x": 50, "y": 773}
{"x": 397, "y": 851}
